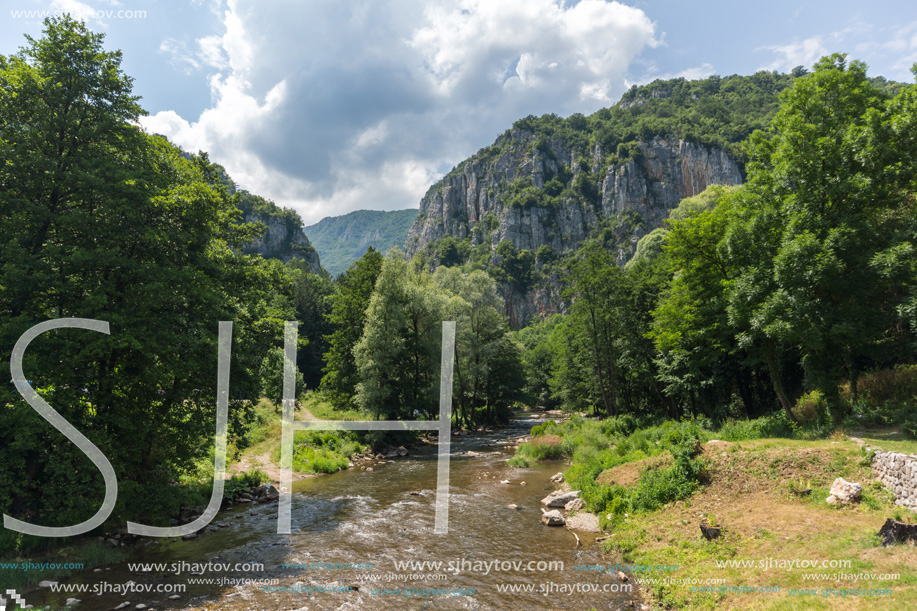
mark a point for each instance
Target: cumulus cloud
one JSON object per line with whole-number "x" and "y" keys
{"x": 799, "y": 53}
{"x": 329, "y": 107}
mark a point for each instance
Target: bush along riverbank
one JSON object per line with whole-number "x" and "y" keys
{"x": 741, "y": 510}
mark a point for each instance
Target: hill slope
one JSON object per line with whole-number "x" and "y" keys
{"x": 548, "y": 183}
{"x": 341, "y": 240}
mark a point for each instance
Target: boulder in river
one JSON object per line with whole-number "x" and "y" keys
{"x": 553, "y": 518}
{"x": 575, "y": 505}
{"x": 559, "y": 498}
{"x": 557, "y": 479}
{"x": 266, "y": 492}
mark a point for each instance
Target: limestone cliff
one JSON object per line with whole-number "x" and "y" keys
{"x": 633, "y": 197}
{"x": 283, "y": 240}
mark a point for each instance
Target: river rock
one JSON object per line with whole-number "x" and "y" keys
{"x": 267, "y": 492}
{"x": 844, "y": 492}
{"x": 189, "y": 536}
{"x": 123, "y": 605}
{"x": 46, "y": 584}
{"x": 72, "y": 602}
{"x": 506, "y": 481}
{"x": 557, "y": 479}
{"x": 584, "y": 521}
{"x": 553, "y": 518}
{"x": 575, "y": 505}
{"x": 559, "y": 498}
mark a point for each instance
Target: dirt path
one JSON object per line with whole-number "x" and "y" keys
{"x": 264, "y": 460}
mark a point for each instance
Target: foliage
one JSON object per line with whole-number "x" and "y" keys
{"x": 103, "y": 221}
{"x": 348, "y": 314}
{"x": 341, "y": 240}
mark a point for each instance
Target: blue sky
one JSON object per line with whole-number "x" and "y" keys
{"x": 328, "y": 106}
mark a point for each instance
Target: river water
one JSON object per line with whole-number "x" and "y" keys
{"x": 358, "y": 517}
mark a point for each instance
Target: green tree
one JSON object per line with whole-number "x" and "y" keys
{"x": 347, "y": 317}
{"x": 827, "y": 191}
{"x": 398, "y": 355}
{"x": 103, "y": 221}
{"x": 312, "y": 298}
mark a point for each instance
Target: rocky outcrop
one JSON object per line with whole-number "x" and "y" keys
{"x": 283, "y": 240}
{"x": 478, "y": 201}
{"x": 667, "y": 172}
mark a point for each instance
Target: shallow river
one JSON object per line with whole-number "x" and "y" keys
{"x": 358, "y": 517}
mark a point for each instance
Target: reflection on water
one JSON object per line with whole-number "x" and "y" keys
{"x": 360, "y": 517}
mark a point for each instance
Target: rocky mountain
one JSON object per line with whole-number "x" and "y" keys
{"x": 283, "y": 238}
{"x": 341, "y": 240}
{"x": 548, "y": 183}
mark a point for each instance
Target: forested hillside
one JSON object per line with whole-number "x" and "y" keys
{"x": 549, "y": 183}
{"x": 341, "y": 240}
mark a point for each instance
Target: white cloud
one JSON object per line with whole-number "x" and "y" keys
{"x": 690, "y": 74}
{"x": 903, "y": 43}
{"x": 800, "y": 53}
{"x": 329, "y": 107}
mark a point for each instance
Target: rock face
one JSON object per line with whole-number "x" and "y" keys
{"x": 283, "y": 240}
{"x": 634, "y": 195}
{"x": 899, "y": 474}
{"x": 844, "y": 492}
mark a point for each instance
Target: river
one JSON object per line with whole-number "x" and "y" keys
{"x": 364, "y": 518}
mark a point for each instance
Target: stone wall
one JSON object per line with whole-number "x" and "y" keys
{"x": 899, "y": 474}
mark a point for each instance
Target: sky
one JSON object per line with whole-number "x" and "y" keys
{"x": 330, "y": 106}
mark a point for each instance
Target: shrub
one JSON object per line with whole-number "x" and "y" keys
{"x": 811, "y": 408}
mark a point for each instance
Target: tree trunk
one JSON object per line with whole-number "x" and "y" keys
{"x": 775, "y": 379}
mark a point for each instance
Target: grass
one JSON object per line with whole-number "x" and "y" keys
{"x": 88, "y": 552}
{"x": 653, "y": 486}
{"x": 750, "y": 488}
{"x": 322, "y": 409}
{"x": 887, "y": 438}
{"x": 322, "y": 451}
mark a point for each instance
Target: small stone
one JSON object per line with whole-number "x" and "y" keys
{"x": 414, "y": 492}
{"x": 189, "y": 536}
{"x": 46, "y": 584}
{"x": 123, "y": 605}
{"x": 174, "y": 597}
{"x": 622, "y": 576}
{"x": 73, "y": 602}
{"x": 522, "y": 483}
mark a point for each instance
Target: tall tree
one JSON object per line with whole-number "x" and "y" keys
{"x": 347, "y": 317}
{"x": 398, "y": 355}
{"x": 829, "y": 180}
{"x": 103, "y": 221}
